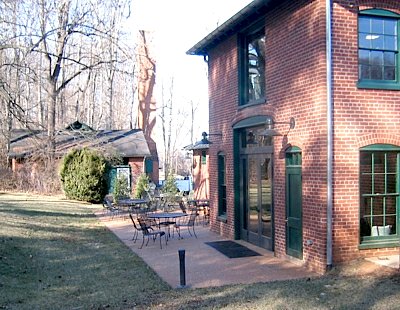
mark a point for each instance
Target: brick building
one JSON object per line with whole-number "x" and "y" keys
{"x": 306, "y": 96}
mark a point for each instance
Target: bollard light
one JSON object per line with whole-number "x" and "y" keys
{"x": 182, "y": 270}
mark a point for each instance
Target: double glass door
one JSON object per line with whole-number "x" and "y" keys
{"x": 256, "y": 215}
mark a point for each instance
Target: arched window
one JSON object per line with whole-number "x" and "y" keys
{"x": 378, "y": 49}
{"x": 221, "y": 184}
{"x": 379, "y": 195}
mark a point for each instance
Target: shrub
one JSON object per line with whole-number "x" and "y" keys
{"x": 121, "y": 188}
{"x": 83, "y": 175}
{"x": 142, "y": 185}
{"x": 169, "y": 189}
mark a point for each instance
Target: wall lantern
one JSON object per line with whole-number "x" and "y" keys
{"x": 272, "y": 132}
{"x": 205, "y": 135}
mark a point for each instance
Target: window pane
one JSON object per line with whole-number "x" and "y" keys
{"x": 390, "y": 26}
{"x": 363, "y": 42}
{"x": 365, "y": 72}
{"x": 363, "y": 57}
{"x": 376, "y": 41}
{"x": 391, "y": 186}
{"x": 376, "y": 58}
{"x": 365, "y": 162}
{"x": 379, "y": 184}
{"x": 256, "y": 68}
{"x": 390, "y": 43}
{"x": 377, "y": 25}
{"x": 376, "y": 72}
{"x": 389, "y": 59}
{"x": 364, "y": 24}
{"x": 391, "y": 205}
{"x": 391, "y": 162}
{"x": 366, "y": 184}
{"x": 389, "y": 73}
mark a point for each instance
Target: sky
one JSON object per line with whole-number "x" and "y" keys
{"x": 178, "y": 25}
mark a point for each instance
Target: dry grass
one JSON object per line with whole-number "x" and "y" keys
{"x": 54, "y": 254}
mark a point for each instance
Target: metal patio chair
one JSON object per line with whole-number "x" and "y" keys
{"x": 149, "y": 232}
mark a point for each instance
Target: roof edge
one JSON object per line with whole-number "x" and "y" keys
{"x": 254, "y": 8}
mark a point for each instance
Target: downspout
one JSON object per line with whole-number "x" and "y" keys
{"x": 329, "y": 119}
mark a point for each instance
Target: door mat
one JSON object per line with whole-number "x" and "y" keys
{"x": 232, "y": 249}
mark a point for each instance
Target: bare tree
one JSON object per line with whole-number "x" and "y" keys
{"x": 59, "y": 56}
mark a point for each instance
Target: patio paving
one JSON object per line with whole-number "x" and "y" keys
{"x": 205, "y": 266}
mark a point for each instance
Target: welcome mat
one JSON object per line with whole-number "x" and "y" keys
{"x": 232, "y": 249}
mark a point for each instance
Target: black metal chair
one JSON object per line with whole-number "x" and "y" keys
{"x": 109, "y": 208}
{"x": 148, "y": 231}
{"x": 136, "y": 227}
{"x": 189, "y": 224}
{"x": 182, "y": 206}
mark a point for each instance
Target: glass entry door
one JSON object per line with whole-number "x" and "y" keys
{"x": 257, "y": 200}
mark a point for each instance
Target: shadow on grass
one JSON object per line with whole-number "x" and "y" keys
{"x": 40, "y": 213}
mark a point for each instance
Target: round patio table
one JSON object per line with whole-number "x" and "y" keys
{"x": 132, "y": 204}
{"x": 164, "y": 218}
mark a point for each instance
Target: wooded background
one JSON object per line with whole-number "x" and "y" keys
{"x": 67, "y": 60}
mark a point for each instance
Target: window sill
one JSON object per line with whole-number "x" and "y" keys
{"x": 376, "y": 244}
{"x": 253, "y": 103}
{"x": 378, "y": 85}
{"x": 222, "y": 218}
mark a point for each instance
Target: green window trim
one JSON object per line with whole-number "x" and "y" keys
{"x": 379, "y": 12}
{"x": 379, "y": 196}
{"x": 378, "y": 49}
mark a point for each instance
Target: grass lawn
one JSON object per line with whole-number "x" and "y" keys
{"x": 55, "y": 254}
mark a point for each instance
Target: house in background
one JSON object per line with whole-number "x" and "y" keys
{"x": 305, "y": 95}
{"x": 200, "y": 168}
{"x": 131, "y": 145}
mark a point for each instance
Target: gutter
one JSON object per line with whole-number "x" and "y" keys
{"x": 329, "y": 119}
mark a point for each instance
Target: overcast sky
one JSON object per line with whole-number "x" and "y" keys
{"x": 177, "y": 26}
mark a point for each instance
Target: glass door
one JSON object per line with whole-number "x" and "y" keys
{"x": 257, "y": 200}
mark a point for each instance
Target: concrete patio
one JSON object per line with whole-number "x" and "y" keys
{"x": 205, "y": 266}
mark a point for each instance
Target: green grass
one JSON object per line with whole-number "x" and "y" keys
{"x": 55, "y": 254}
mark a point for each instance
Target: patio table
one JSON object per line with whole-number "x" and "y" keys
{"x": 132, "y": 204}
{"x": 164, "y": 218}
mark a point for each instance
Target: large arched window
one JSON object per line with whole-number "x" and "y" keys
{"x": 378, "y": 49}
{"x": 379, "y": 195}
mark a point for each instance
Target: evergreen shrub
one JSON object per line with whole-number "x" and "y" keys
{"x": 121, "y": 188}
{"x": 83, "y": 175}
{"x": 142, "y": 185}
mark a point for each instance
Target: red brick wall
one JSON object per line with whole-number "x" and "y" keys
{"x": 361, "y": 117}
{"x": 296, "y": 87}
{"x": 137, "y": 168}
{"x": 223, "y": 103}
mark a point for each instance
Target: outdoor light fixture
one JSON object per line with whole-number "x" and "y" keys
{"x": 205, "y": 135}
{"x": 251, "y": 138}
{"x": 273, "y": 132}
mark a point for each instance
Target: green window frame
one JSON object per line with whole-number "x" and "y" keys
{"x": 378, "y": 49}
{"x": 222, "y": 203}
{"x": 379, "y": 195}
{"x": 252, "y": 65}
